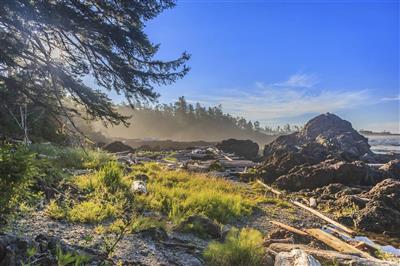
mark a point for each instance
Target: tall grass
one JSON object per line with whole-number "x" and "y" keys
{"x": 180, "y": 194}
{"x": 107, "y": 197}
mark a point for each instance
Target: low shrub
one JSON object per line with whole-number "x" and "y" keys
{"x": 241, "y": 248}
{"x": 18, "y": 168}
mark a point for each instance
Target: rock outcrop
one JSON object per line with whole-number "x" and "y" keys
{"x": 376, "y": 209}
{"x": 392, "y": 169}
{"x": 382, "y": 211}
{"x": 324, "y": 137}
{"x": 117, "y": 146}
{"x": 245, "y": 148}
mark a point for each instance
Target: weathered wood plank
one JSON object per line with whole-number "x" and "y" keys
{"x": 329, "y": 220}
{"x": 336, "y": 243}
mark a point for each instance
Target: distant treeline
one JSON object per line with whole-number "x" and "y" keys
{"x": 186, "y": 122}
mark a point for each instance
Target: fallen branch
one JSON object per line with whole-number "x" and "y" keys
{"x": 289, "y": 228}
{"x": 329, "y": 220}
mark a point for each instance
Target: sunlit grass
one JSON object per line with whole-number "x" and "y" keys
{"x": 180, "y": 194}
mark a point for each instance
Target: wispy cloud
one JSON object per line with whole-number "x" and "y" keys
{"x": 395, "y": 98}
{"x": 300, "y": 80}
{"x": 270, "y": 102}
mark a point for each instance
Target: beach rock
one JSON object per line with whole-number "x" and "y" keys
{"x": 295, "y": 257}
{"x": 138, "y": 187}
{"x": 325, "y": 173}
{"x": 392, "y": 169}
{"x": 245, "y": 148}
{"x": 117, "y": 146}
{"x": 324, "y": 137}
{"x": 382, "y": 212}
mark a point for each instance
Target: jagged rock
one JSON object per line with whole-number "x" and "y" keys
{"x": 324, "y": 137}
{"x": 327, "y": 172}
{"x": 382, "y": 212}
{"x": 208, "y": 226}
{"x": 245, "y": 148}
{"x": 295, "y": 257}
{"x": 392, "y": 169}
{"x": 117, "y": 146}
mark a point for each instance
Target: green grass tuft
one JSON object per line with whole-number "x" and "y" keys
{"x": 240, "y": 248}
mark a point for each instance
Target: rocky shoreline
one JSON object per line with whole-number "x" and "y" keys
{"x": 327, "y": 166}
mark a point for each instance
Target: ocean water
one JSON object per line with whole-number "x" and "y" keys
{"x": 384, "y": 143}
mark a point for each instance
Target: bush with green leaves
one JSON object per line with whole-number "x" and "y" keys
{"x": 17, "y": 171}
{"x": 241, "y": 248}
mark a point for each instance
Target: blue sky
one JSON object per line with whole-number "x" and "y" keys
{"x": 284, "y": 62}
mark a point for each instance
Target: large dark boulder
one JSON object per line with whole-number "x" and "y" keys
{"x": 118, "y": 146}
{"x": 328, "y": 172}
{"x": 326, "y": 136}
{"x": 245, "y": 148}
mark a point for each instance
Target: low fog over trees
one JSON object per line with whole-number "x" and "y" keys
{"x": 185, "y": 121}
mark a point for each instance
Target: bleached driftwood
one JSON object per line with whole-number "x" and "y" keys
{"x": 336, "y": 243}
{"x": 329, "y": 220}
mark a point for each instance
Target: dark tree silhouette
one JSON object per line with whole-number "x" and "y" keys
{"x": 47, "y": 47}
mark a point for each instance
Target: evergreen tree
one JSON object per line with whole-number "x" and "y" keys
{"x": 48, "y": 47}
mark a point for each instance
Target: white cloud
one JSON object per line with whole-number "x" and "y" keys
{"x": 270, "y": 102}
{"x": 299, "y": 80}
